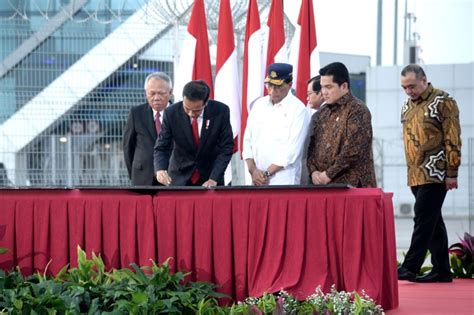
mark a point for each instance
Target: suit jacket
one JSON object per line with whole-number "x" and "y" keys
{"x": 139, "y": 137}
{"x": 215, "y": 144}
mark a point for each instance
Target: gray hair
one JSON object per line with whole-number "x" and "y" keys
{"x": 416, "y": 69}
{"x": 161, "y": 76}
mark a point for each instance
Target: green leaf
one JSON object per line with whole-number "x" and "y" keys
{"x": 425, "y": 270}
{"x": 51, "y": 311}
{"x": 100, "y": 268}
{"x": 456, "y": 266}
{"x": 18, "y": 304}
{"x": 141, "y": 276}
{"x": 139, "y": 297}
{"x": 61, "y": 273}
{"x": 358, "y": 304}
{"x": 81, "y": 256}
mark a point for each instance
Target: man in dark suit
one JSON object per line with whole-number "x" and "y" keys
{"x": 195, "y": 144}
{"x": 143, "y": 125}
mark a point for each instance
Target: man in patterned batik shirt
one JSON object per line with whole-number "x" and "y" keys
{"x": 431, "y": 134}
{"x": 340, "y": 145}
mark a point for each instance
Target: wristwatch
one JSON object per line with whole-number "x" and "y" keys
{"x": 267, "y": 174}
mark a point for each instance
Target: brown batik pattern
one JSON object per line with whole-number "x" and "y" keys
{"x": 341, "y": 143}
{"x": 432, "y": 137}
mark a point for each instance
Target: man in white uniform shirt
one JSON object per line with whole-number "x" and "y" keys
{"x": 276, "y": 130}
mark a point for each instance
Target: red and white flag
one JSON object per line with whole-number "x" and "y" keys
{"x": 253, "y": 72}
{"x": 304, "y": 54}
{"x": 227, "y": 84}
{"x": 227, "y": 81}
{"x": 195, "y": 60}
{"x": 276, "y": 49}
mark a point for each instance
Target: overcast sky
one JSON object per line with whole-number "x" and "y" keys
{"x": 445, "y": 28}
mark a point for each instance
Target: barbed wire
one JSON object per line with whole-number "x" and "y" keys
{"x": 45, "y": 8}
{"x": 166, "y": 11}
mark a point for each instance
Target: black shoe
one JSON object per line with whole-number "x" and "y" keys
{"x": 434, "y": 277}
{"x": 405, "y": 274}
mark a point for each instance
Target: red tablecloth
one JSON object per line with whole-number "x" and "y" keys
{"x": 247, "y": 241}
{"x": 42, "y": 225}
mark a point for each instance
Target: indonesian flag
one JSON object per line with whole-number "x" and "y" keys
{"x": 304, "y": 55}
{"x": 227, "y": 75}
{"x": 276, "y": 50}
{"x": 253, "y": 72}
{"x": 195, "y": 60}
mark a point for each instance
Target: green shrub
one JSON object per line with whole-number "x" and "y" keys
{"x": 90, "y": 289}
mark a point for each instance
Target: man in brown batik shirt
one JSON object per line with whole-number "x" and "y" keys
{"x": 432, "y": 138}
{"x": 340, "y": 146}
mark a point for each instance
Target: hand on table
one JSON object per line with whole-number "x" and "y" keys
{"x": 209, "y": 183}
{"x": 320, "y": 178}
{"x": 163, "y": 178}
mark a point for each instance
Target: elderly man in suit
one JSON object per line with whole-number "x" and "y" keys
{"x": 142, "y": 129}
{"x": 195, "y": 144}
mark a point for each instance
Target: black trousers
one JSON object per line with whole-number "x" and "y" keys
{"x": 429, "y": 232}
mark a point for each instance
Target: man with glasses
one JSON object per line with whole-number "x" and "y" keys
{"x": 314, "y": 94}
{"x": 432, "y": 138}
{"x": 276, "y": 130}
{"x": 142, "y": 129}
{"x": 195, "y": 144}
{"x": 315, "y": 101}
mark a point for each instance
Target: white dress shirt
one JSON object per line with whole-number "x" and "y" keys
{"x": 200, "y": 120}
{"x": 275, "y": 134}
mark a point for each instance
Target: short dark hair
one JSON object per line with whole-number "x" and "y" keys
{"x": 316, "y": 86}
{"x": 196, "y": 91}
{"x": 338, "y": 71}
{"x": 416, "y": 69}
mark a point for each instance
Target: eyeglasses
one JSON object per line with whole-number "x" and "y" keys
{"x": 159, "y": 93}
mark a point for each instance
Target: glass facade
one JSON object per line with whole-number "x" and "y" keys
{"x": 83, "y": 146}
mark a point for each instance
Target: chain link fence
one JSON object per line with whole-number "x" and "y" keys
{"x": 83, "y": 147}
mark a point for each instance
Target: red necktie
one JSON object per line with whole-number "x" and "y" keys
{"x": 195, "y": 176}
{"x": 194, "y": 126}
{"x": 157, "y": 123}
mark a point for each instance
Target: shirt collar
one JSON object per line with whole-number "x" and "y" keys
{"x": 282, "y": 102}
{"x": 340, "y": 102}
{"x": 199, "y": 118}
{"x": 154, "y": 112}
{"x": 424, "y": 96}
